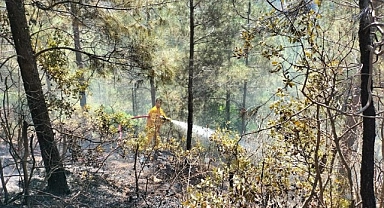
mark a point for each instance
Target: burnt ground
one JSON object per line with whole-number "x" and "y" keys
{"x": 155, "y": 182}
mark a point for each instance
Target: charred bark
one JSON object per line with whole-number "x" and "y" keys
{"x": 36, "y": 102}
{"x": 369, "y": 125}
{"x": 190, "y": 73}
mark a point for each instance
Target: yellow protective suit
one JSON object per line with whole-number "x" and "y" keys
{"x": 154, "y": 123}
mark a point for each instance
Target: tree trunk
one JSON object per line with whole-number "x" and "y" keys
{"x": 369, "y": 126}
{"x": 57, "y": 182}
{"x": 244, "y": 112}
{"x": 227, "y": 110}
{"x": 153, "y": 87}
{"x": 190, "y": 73}
{"x": 79, "y": 60}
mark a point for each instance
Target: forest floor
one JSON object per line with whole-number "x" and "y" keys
{"x": 117, "y": 183}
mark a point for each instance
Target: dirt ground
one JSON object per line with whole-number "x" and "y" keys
{"x": 117, "y": 183}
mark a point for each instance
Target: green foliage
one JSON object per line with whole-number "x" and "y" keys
{"x": 165, "y": 64}
{"x": 109, "y": 122}
{"x": 4, "y": 24}
{"x": 54, "y": 62}
{"x": 311, "y": 57}
{"x": 232, "y": 180}
{"x": 287, "y": 172}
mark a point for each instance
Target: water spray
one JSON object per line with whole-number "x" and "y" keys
{"x": 204, "y": 132}
{"x": 197, "y": 130}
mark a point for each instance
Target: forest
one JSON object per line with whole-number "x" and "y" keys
{"x": 267, "y": 103}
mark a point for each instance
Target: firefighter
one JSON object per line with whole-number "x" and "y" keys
{"x": 156, "y": 117}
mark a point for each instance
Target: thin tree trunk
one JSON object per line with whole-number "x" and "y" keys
{"x": 3, "y": 183}
{"x": 134, "y": 89}
{"x": 79, "y": 60}
{"x": 227, "y": 109}
{"x": 382, "y": 165}
{"x": 190, "y": 73}
{"x": 25, "y": 161}
{"x": 243, "y": 110}
{"x": 369, "y": 126}
{"x": 318, "y": 180}
{"x": 57, "y": 182}
{"x": 152, "y": 78}
{"x": 153, "y": 87}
